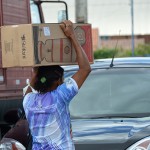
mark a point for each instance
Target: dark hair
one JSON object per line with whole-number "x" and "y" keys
{"x": 46, "y": 76}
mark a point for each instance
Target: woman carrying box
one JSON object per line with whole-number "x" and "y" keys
{"x": 47, "y": 110}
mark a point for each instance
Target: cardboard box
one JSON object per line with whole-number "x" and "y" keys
{"x": 42, "y": 44}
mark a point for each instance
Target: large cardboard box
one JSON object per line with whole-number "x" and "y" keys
{"x": 42, "y": 44}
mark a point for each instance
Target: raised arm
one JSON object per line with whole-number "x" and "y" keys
{"x": 84, "y": 65}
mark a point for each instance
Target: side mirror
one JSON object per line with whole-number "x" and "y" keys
{"x": 50, "y": 11}
{"x": 61, "y": 16}
{"x": 11, "y": 144}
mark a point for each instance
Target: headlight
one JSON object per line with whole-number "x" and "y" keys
{"x": 143, "y": 144}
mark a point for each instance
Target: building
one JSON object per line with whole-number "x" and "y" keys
{"x": 124, "y": 42}
{"x": 95, "y": 39}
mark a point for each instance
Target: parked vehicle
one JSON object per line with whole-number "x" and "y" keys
{"x": 12, "y": 80}
{"x": 111, "y": 110}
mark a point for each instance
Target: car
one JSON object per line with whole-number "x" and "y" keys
{"x": 112, "y": 109}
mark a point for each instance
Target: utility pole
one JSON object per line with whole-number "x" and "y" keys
{"x": 132, "y": 25}
{"x": 81, "y": 11}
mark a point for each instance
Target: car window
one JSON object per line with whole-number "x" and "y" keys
{"x": 113, "y": 91}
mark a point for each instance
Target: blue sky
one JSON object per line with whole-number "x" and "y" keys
{"x": 111, "y": 16}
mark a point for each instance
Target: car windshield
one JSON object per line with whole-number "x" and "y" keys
{"x": 117, "y": 91}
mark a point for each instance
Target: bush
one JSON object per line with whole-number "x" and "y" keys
{"x": 104, "y": 53}
{"x": 141, "y": 50}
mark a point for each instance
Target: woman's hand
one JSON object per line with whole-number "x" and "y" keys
{"x": 67, "y": 27}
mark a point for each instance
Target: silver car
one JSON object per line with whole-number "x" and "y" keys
{"x": 112, "y": 108}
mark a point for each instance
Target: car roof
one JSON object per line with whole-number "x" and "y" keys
{"x": 125, "y": 62}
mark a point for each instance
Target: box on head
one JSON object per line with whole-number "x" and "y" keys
{"x": 42, "y": 44}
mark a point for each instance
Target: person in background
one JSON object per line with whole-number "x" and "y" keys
{"x": 47, "y": 110}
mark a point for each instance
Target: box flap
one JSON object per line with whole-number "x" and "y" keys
{"x": 17, "y": 45}
{"x": 25, "y": 45}
{"x": 9, "y": 43}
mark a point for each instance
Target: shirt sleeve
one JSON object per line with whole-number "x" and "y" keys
{"x": 26, "y": 100}
{"x": 67, "y": 90}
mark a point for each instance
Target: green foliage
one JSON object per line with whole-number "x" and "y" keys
{"x": 104, "y": 53}
{"x": 139, "y": 51}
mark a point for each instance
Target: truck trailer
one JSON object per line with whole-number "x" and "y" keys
{"x": 13, "y": 80}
